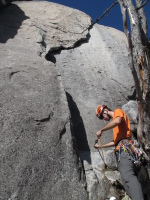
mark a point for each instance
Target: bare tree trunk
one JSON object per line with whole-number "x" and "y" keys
{"x": 139, "y": 62}
{"x": 143, "y": 20}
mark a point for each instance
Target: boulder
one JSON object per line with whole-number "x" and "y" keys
{"x": 131, "y": 109}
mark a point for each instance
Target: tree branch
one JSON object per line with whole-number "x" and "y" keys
{"x": 143, "y": 4}
{"x": 144, "y": 26}
{"x": 98, "y": 19}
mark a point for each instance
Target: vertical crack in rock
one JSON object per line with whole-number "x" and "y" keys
{"x": 77, "y": 136}
{"x": 82, "y": 175}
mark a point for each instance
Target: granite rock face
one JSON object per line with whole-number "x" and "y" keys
{"x": 37, "y": 156}
{"x": 54, "y": 72}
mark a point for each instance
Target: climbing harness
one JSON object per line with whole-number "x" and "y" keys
{"x": 132, "y": 151}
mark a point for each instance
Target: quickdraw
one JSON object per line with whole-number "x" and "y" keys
{"x": 134, "y": 153}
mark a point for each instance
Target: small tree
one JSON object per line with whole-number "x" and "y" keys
{"x": 139, "y": 62}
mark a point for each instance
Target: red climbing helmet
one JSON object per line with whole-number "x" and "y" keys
{"x": 100, "y": 111}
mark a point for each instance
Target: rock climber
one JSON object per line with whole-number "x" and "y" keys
{"x": 122, "y": 139}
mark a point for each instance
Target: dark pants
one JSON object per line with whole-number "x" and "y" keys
{"x": 129, "y": 178}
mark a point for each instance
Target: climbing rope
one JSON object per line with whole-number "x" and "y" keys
{"x": 102, "y": 156}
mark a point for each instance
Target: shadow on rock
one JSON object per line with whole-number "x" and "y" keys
{"x": 11, "y": 18}
{"x": 77, "y": 127}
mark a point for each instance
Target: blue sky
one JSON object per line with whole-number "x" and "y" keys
{"x": 95, "y": 8}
